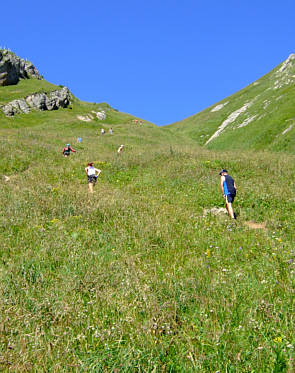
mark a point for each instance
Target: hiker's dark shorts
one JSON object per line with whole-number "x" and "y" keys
{"x": 92, "y": 179}
{"x": 230, "y": 198}
{"x": 67, "y": 153}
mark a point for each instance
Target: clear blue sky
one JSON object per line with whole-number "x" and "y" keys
{"x": 160, "y": 60}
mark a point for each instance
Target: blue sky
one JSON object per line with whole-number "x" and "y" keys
{"x": 159, "y": 60}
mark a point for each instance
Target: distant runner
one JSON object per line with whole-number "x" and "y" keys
{"x": 228, "y": 189}
{"x": 102, "y": 131}
{"x": 111, "y": 131}
{"x": 92, "y": 174}
{"x": 79, "y": 139}
{"x": 119, "y": 151}
{"x": 67, "y": 150}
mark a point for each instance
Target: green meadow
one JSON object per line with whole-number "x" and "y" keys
{"x": 136, "y": 277}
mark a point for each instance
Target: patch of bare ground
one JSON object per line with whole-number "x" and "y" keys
{"x": 253, "y": 225}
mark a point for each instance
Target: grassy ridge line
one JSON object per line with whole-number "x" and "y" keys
{"x": 136, "y": 278}
{"x": 274, "y": 112}
{"x": 24, "y": 88}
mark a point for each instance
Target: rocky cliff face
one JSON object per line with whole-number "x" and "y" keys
{"x": 13, "y": 68}
{"x": 38, "y": 101}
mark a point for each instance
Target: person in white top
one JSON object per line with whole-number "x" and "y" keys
{"x": 92, "y": 174}
{"x": 120, "y": 149}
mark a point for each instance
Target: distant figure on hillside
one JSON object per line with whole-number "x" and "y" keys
{"x": 67, "y": 150}
{"x": 92, "y": 174}
{"x": 119, "y": 151}
{"x": 79, "y": 139}
{"x": 141, "y": 123}
{"x": 136, "y": 121}
{"x": 102, "y": 131}
{"x": 228, "y": 189}
{"x": 111, "y": 131}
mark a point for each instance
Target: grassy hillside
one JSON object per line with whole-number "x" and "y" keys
{"x": 266, "y": 119}
{"x": 135, "y": 277}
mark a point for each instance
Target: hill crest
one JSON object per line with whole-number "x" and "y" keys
{"x": 258, "y": 116}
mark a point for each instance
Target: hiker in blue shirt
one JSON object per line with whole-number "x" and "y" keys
{"x": 228, "y": 189}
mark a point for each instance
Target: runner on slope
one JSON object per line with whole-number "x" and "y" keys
{"x": 228, "y": 189}
{"x": 119, "y": 151}
{"x": 67, "y": 150}
{"x": 92, "y": 174}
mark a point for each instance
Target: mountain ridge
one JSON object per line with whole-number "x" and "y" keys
{"x": 263, "y": 108}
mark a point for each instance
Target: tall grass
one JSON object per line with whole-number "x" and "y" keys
{"x": 135, "y": 277}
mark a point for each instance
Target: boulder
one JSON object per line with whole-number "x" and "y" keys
{"x": 16, "y": 107}
{"x": 38, "y": 101}
{"x": 13, "y": 68}
{"x": 101, "y": 115}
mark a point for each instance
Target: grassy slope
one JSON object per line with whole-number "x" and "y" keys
{"x": 264, "y": 132}
{"x": 134, "y": 278}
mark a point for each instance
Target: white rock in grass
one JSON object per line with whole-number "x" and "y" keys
{"x": 219, "y": 107}
{"x": 287, "y": 63}
{"x": 84, "y": 118}
{"x": 215, "y": 211}
{"x": 288, "y": 129}
{"x": 231, "y": 118}
{"x": 101, "y": 115}
{"x": 247, "y": 121}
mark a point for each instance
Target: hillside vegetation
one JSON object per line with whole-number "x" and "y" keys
{"x": 136, "y": 277}
{"x": 260, "y": 116}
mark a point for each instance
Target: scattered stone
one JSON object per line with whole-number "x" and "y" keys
{"x": 288, "y": 129}
{"x": 6, "y": 178}
{"x": 247, "y": 121}
{"x": 219, "y": 107}
{"x": 287, "y": 63}
{"x": 85, "y": 118}
{"x": 231, "y": 118}
{"x": 215, "y": 211}
{"x": 101, "y": 115}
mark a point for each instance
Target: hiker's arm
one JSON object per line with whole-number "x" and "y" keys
{"x": 221, "y": 184}
{"x": 73, "y": 150}
{"x": 98, "y": 171}
{"x": 86, "y": 171}
{"x": 235, "y": 185}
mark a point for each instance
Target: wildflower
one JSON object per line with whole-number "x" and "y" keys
{"x": 208, "y": 253}
{"x": 278, "y": 339}
{"x": 54, "y": 221}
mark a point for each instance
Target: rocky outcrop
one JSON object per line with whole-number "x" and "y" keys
{"x": 13, "y": 68}
{"x": 38, "y": 101}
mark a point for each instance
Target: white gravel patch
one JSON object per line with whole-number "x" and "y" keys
{"x": 219, "y": 107}
{"x": 231, "y": 118}
{"x": 247, "y": 121}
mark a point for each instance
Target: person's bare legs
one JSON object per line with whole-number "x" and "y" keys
{"x": 90, "y": 187}
{"x": 230, "y": 210}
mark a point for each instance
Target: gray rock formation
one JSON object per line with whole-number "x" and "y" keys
{"x": 38, "y": 101}
{"x": 13, "y": 68}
